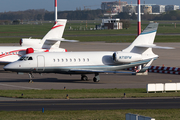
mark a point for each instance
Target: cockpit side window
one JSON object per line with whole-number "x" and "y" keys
{"x": 25, "y": 58}
{"x": 21, "y": 59}
{"x": 30, "y": 58}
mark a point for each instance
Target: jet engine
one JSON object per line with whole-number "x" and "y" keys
{"x": 35, "y": 43}
{"x": 123, "y": 57}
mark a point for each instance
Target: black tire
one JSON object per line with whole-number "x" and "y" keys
{"x": 84, "y": 78}
{"x": 95, "y": 79}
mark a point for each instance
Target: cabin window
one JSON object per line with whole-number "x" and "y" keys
{"x": 66, "y": 60}
{"x": 70, "y": 60}
{"x": 2, "y": 53}
{"x": 83, "y": 60}
{"x": 79, "y": 60}
{"x": 62, "y": 60}
{"x": 58, "y": 60}
{"x": 74, "y": 60}
{"x": 88, "y": 59}
{"x": 54, "y": 60}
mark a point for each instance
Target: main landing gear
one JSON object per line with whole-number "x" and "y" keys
{"x": 95, "y": 79}
{"x": 84, "y": 77}
{"x": 30, "y": 77}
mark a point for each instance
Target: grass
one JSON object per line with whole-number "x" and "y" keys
{"x": 18, "y": 31}
{"x": 84, "y": 93}
{"x": 158, "y": 114}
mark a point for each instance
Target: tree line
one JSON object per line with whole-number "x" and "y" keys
{"x": 42, "y": 14}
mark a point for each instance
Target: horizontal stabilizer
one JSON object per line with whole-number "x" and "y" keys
{"x": 154, "y": 46}
{"x": 62, "y": 39}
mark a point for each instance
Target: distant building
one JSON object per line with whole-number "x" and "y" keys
{"x": 171, "y": 7}
{"x": 110, "y": 24}
{"x": 129, "y": 9}
{"x": 147, "y": 9}
{"x": 113, "y": 7}
{"x": 158, "y": 8}
{"x": 117, "y": 7}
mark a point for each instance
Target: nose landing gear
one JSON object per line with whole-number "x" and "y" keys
{"x": 30, "y": 76}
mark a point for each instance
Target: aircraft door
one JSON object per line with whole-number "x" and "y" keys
{"x": 40, "y": 63}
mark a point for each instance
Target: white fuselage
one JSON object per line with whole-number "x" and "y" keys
{"x": 69, "y": 62}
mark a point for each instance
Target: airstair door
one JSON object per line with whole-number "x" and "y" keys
{"x": 40, "y": 63}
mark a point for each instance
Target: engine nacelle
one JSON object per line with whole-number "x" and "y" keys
{"x": 35, "y": 43}
{"x": 123, "y": 57}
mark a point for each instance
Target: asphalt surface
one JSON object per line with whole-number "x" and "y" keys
{"x": 90, "y": 104}
{"x": 168, "y": 58}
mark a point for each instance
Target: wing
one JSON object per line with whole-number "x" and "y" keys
{"x": 114, "y": 69}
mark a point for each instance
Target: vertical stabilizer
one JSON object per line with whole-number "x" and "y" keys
{"x": 55, "y": 33}
{"x": 146, "y": 38}
{"x": 57, "y": 30}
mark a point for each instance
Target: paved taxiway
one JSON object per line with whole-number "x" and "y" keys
{"x": 90, "y": 104}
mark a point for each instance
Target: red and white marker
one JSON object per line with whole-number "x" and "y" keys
{"x": 159, "y": 69}
{"x": 175, "y": 69}
{"x": 139, "y": 17}
{"x": 55, "y": 11}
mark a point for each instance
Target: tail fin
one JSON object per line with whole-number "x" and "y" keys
{"x": 55, "y": 33}
{"x": 143, "y": 42}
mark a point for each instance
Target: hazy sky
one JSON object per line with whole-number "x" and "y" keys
{"x": 19, "y": 5}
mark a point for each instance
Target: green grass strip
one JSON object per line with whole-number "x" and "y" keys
{"x": 158, "y": 114}
{"x": 84, "y": 93}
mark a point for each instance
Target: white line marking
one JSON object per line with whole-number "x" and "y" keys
{"x": 20, "y": 87}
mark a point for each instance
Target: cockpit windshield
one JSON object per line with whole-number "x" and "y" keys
{"x": 24, "y": 58}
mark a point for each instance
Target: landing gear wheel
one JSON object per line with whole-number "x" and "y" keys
{"x": 84, "y": 78}
{"x": 95, "y": 79}
{"x": 30, "y": 81}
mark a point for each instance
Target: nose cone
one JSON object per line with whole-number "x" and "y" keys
{"x": 11, "y": 67}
